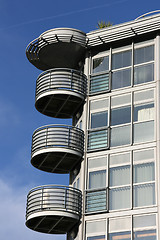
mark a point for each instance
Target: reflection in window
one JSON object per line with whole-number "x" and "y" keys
{"x": 102, "y": 237}
{"x": 100, "y": 64}
{"x": 120, "y": 236}
{"x": 120, "y": 115}
{"x": 144, "y": 112}
{"x": 99, "y": 119}
{"x": 145, "y": 235}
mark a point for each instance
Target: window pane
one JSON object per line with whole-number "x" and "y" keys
{"x": 119, "y": 159}
{"x": 144, "y": 112}
{"x": 97, "y": 179}
{"x": 120, "y": 236}
{"x": 143, "y": 95}
{"x": 144, "y": 172}
{"x": 144, "y": 195}
{"x": 122, "y": 59}
{"x": 99, "y": 119}
{"x": 120, "y": 136}
{"x": 144, "y": 221}
{"x": 143, "y": 155}
{"x": 120, "y": 115}
{"x": 95, "y": 226}
{"x": 145, "y": 235}
{"x": 119, "y": 176}
{"x": 97, "y": 162}
{"x": 120, "y": 223}
{"x": 144, "y": 132}
{"x": 143, "y": 74}
{"x": 97, "y": 238}
{"x": 121, "y": 100}
{"x": 144, "y": 54}
{"x": 100, "y": 64}
{"x": 119, "y": 198}
{"x": 97, "y": 104}
{"x": 121, "y": 78}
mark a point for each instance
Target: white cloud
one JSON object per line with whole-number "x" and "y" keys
{"x": 12, "y": 212}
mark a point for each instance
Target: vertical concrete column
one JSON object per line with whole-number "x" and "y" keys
{"x": 83, "y": 165}
{"x": 157, "y": 123}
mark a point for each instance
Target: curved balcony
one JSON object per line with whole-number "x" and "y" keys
{"x": 53, "y": 209}
{"x": 57, "y": 148}
{"x": 59, "y": 47}
{"x": 60, "y": 92}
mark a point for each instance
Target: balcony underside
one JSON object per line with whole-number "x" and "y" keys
{"x": 52, "y": 224}
{"x": 59, "y": 47}
{"x": 59, "y": 105}
{"x": 55, "y": 162}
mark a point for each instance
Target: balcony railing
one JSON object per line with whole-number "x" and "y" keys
{"x": 57, "y": 148}
{"x": 60, "y": 92}
{"x": 96, "y": 200}
{"x": 49, "y": 49}
{"x": 59, "y": 206}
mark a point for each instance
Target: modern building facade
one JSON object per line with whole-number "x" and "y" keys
{"x": 108, "y": 82}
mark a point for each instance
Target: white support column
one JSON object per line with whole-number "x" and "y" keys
{"x": 157, "y": 122}
{"x": 83, "y": 165}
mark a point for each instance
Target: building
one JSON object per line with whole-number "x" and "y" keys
{"x": 108, "y": 82}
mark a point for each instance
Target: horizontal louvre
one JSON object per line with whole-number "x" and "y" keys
{"x": 99, "y": 83}
{"x": 98, "y": 139}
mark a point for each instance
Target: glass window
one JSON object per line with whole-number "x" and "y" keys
{"x": 120, "y": 236}
{"x": 144, "y": 73}
{"x": 144, "y": 172}
{"x": 99, "y": 119}
{"x": 102, "y": 237}
{"x": 122, "y": 59}
{"x": 97, "y": 179}
{"x": 145, "y": 235}
{"x": 119, "y": 176}
{"x": 144, "y": 54}
{"x": 144, "y": 195}
{"x": 121, "y": 78}
{"x": 100, "y": 64}
{"x": 144, "y": 132}
{"x": 120, "y": 136}
{"x": 120, "y": 115}
{"x": 144, "y": 112}
{"x": 144, "y": 227}
{"x": 119, "y": 198}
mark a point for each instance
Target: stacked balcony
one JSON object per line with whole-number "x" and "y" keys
{"x": 53, "y": 209}
{"x": 60, "y": 92}
{"x": 57, "y": 148}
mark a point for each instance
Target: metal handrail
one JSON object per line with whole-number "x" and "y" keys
{"x": 61, "y": 78}
{"x": 54, "y": 198}
{"x": 62, "y": 136}
{"x": 149, "y": 13}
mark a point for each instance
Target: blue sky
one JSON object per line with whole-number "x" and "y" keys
{"x": 20, "y": 23}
